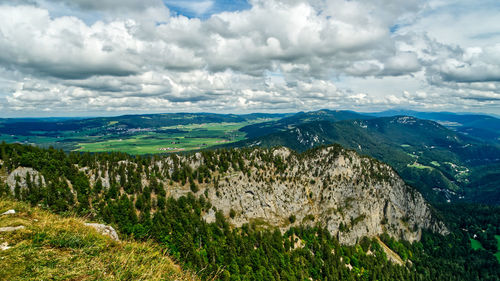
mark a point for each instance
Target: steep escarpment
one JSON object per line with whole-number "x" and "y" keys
{"x": 350, "y": 195}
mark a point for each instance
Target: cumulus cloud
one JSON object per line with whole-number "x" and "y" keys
{"x": 64, "y": 47}
{"x": 275, "y": 56}
{"x": 474, "y": 65}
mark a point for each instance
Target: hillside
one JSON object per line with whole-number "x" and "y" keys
{"x": 441, "y": 163}
{"x": 289, "y": 122}
{"x": 482, "y": 127}
{"x": 257, "y": 214}
{"x": 51, "y": 247}
{"x": 352, "y": 196}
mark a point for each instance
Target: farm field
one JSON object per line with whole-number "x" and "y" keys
{"x": 419, "y": 166}
{"x": 169, "y": 139}
{"x": 134, "y": 134}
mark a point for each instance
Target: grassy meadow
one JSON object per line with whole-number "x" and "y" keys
{"x": 169, "y": 139}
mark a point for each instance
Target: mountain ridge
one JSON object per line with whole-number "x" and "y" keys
{"x": 425, "y": 153}
{"x": 352, "y": 196}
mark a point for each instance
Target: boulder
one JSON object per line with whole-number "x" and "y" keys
{"x": 9, "y": 212}
{"x": 4, "y": 246}
{"x": 105, "y": 230}
{"x": 11, "y": 228}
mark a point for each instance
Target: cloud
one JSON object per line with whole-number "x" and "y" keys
{"x": 275, "y": 56}
{"x": 474, "y": 65}
{"x": 110, "y": 4}
{"x": 64, "y": 47}
{"x": 250, "y": 41}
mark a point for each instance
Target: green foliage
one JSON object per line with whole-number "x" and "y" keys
{"x": 192, "y": 185}
{"x": 251, "y": 252}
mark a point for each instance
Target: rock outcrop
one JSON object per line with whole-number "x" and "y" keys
{"x": 350, "y": 195}
{"x": 8, "y": 212}
{"x": 4, "y": 246}
{"x": 105, "y": 230}
{"x": 11, "y": 228}
{"x": 19, "y": 177}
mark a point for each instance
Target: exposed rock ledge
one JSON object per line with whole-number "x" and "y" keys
{"x": 352, "y": 196}
{"x": 19, "y": 175}
{"x": 104, "y": 230}
{"x": 11, "y": 228}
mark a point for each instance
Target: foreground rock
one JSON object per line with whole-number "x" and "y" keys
{"x": 9, "y": 212}
{"x": 4, "y": 246}
{"x": 11, "y": 228}
{"x": 105, "y": 230}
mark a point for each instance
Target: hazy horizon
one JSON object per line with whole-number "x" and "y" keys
{"x": 238, "y": 113}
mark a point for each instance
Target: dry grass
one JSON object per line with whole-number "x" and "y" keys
{"x": 51, "y": 247}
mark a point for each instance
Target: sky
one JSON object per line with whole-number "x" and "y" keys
{"x": 112, "y": 57}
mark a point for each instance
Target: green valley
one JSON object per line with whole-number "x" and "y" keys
{"x": 135, "y": 134}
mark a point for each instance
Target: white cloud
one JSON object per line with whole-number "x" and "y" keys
{"x": 110, "y": 4}
{"x": 278, "y": 55}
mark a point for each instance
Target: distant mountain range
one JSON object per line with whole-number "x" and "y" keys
{"x": 27, "y": 126}
{"x": 261, "y": 129}
{"x": 443, "y": 164}
{"x": 484, "y": 127}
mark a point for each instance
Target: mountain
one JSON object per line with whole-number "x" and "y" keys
{"x": 331, "y": 186}
{"x": 261, "y": 129}
{"x": 352, "y": 196}
{"x": 483, "y": 127}
{"x": 39, "y": 245}
{"x": 442, "y": 164}
{"x": 252, "y": 213}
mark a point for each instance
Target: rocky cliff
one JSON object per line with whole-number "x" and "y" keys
{"x": 351, "y": 195}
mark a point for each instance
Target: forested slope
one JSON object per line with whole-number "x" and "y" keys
{"x": 136, "y": 195}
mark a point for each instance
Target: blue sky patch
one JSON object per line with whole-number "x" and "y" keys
{"x": 205, "y": 8}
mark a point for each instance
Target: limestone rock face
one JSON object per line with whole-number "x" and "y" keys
{"x": 20, "y": 175}
{"x": 105, "y": 230}
{"x": 352, "y": 196}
